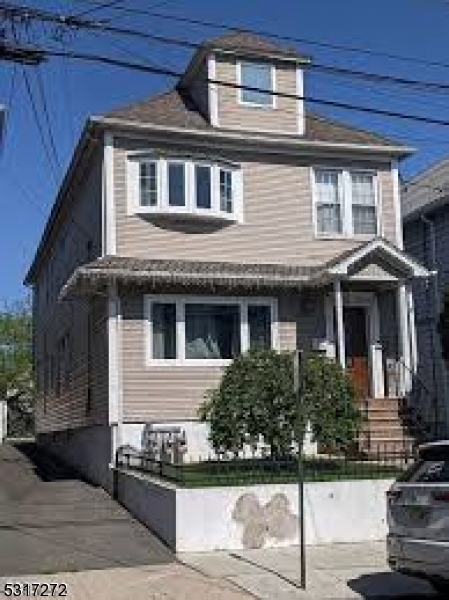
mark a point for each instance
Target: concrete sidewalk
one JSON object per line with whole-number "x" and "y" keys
{"x": 337, "y": 572}
{"x": 340, "y": 571}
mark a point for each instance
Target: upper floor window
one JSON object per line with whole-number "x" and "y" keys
{"x": 345, "y": 202}
{"x": 188, "y": 187}
{"x": 256, "y": 75}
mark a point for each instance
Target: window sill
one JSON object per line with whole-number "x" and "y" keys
{"x": 257, "y": 106}
{"x": 345, "y": 237}
{"x": 190, "y": 362}
{"x": 180, "y": 213}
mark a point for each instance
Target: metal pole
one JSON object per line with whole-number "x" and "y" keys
{"x": 297, "y": 380}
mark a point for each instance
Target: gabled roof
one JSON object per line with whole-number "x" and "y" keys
{"x": 243, "y": 42}
{"x": 177, "y": 109}
{"x": 377, "y": 249}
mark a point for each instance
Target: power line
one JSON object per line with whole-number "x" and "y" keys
{"x": 96, "y": 58}
{"x": 78, "y": 23}
{"x": 40, "y": 86}
{"x": 39, "y": 124}
{"x": 97, "y": 7}
{"x": 275, "y": 36}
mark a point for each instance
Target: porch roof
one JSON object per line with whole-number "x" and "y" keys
{"x": 94, "y": 277}
{"x": 377, "y": 251}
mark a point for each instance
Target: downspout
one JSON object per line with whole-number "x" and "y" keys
{"x": 435, "y": 312}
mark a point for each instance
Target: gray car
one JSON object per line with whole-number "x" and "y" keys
{"x": 418, "y": 518}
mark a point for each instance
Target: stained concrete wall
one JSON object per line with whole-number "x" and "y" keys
{"x": 256, "y": 516}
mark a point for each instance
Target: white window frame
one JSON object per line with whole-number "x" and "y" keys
{"x": 345, "y": 189}
{"x": 190, "y": 209}
{"x": 240, "y": 90}
{"x": 180, "y": 303}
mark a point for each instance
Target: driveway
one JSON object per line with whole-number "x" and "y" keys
{"x": 51, "y": 521}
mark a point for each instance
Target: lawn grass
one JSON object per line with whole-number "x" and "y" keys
{"x": 257, "y": 471}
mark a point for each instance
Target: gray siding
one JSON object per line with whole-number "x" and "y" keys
{"x": 81, "y": 396}
{"x": 278, "y": 217}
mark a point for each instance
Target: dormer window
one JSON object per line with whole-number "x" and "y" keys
{"x": 259, "y": 75}
{"x": 188, "y": 187}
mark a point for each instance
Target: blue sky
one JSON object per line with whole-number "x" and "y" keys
{"x": 28, "y": 184}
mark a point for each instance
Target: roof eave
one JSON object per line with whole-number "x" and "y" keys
{"x": 292, "y": 144}
{"x": 84, "y": 141}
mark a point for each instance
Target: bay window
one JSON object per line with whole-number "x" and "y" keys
{"x": 148, "y": 183}
{"x": 345, "y": 202}
{"x": 184, "y": 187}
{"x": 201, "y": 330}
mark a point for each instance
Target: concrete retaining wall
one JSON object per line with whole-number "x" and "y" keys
{"x": 256, "y": 516}
{"x": 87, "y": 449}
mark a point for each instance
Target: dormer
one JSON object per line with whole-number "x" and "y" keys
{"x": 222, "y": 72}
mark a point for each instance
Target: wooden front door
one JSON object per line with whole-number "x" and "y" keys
{"x": 356, "y": 345}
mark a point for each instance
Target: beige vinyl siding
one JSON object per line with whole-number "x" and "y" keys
{"x": 78, "y": 240}
{"x": 173, "y": 392}
{"x": 277, "y": 224}
{"x": 232, "y": 115}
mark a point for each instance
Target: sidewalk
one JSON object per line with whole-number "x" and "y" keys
{"x": 337, "y": 572}
{"x": 340, "y": 571}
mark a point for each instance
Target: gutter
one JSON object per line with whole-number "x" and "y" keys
{"x": 257, "y": 143}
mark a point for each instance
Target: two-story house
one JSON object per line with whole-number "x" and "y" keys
{"x": 425, "y": 209}
{"x": 197, "y": 224}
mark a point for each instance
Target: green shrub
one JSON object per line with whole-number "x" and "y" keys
{"x": 256, "y": 401}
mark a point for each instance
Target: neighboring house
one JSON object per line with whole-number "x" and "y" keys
{"x": 199, "y": 223}
{"x": 425, "y": 206}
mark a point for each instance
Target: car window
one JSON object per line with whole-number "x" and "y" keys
{"x": 427, "y": 471}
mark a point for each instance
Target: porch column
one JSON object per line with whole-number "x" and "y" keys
{"x": 404, "y": 339}
{"x": 340, "y": 324}
{"x": 412, "y": 327}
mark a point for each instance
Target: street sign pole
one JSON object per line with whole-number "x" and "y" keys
{"x": 300, "y": 424}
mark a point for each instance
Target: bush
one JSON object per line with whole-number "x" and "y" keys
{"x": 256, "y": 400}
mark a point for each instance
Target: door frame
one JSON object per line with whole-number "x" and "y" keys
{"x": 368, "y": 301}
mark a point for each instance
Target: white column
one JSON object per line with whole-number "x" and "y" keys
{"x": 377, "y": 368}
{"x": 404, "y": 339}
{"x": 412, "y": 330}
{"x": 340, "y": 323}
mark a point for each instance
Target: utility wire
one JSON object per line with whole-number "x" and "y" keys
{"x": 40, "y": 86}
{"x": 97, "y": 7}
{"x": 97, "y": 58}
{"x": 39, "y": 125}
{"x": 79, "y": 23}
{"x": 270, "y": 34}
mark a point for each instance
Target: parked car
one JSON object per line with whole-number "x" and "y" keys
{"x": 418, "y": 518}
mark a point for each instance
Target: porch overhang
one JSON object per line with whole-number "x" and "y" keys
{"x": 95, "y": 278}
{"x": 378, "y": 252}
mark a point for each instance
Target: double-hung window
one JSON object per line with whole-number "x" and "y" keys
{"x": 257, "y": 83}
{"x": 185, "y": 187}
{"x": 345, "y": 202}
{"x": 328, "y": 201}
{"x": 364, "y": 217}
{"x": 197, "y": 330}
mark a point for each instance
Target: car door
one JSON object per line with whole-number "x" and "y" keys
{"x": 418, "y": 506}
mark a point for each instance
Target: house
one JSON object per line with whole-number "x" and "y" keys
{"x": 426, "y": 236}
{"x": 194, "y": 225}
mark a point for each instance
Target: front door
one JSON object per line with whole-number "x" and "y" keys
{"x": 356, "y": 345}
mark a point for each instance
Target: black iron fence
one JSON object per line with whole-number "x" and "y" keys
{"x": 387, "y": 462}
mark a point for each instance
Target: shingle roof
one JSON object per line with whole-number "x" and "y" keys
{"x": 176, "y": 109}
{"x": 138, "y": 271}
{"x": 245, "y": 42}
